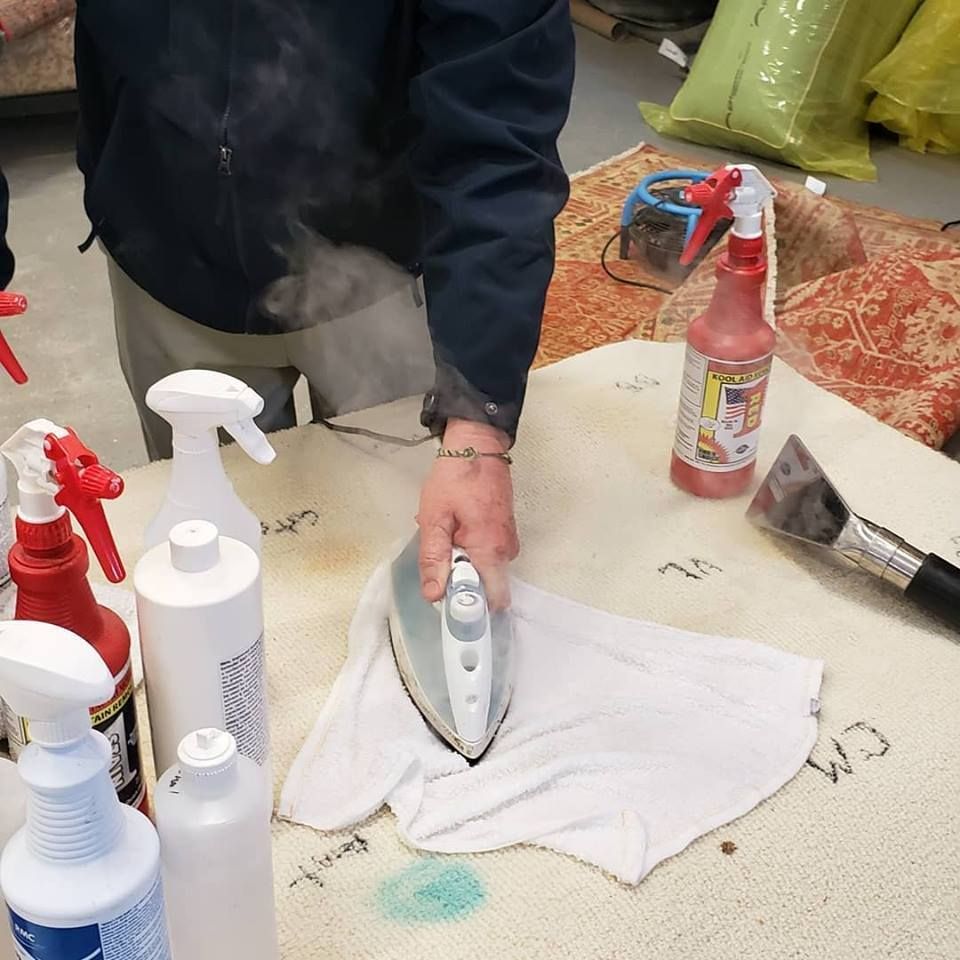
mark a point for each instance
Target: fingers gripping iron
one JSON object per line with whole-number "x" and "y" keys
{"x": 454, "y": 657}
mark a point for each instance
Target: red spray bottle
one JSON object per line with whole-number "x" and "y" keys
{"x": 730, "y": 346}
{"x": 49, "y": 564}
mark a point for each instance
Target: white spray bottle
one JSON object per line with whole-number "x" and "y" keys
{"x": 6, "y": 528}
{"x": 195, "y": 403}
{"x": 12, "y": 814}
{"x": 213, "y": 816}
{"x": 82, "y": 878}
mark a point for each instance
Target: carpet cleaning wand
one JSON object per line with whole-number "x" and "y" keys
{"x": 730, "y": 346}
{"x": 797, "y": 499}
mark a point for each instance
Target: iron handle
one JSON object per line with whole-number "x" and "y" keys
{"x": 936, "y": 588}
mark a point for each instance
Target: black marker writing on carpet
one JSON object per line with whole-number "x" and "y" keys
{"x": 638, "y": 384}
{"x": 313, "y": 871}
{"x": 857, "y": 743}
{"x": 291, "y": 523}
{"x": 704, "y": 568}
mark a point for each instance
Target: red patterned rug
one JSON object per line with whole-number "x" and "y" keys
{"x": 20, "y": 17}
{"x": 867, "y": 303}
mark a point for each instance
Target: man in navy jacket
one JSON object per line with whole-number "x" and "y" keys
{"x": 244, "y": 157}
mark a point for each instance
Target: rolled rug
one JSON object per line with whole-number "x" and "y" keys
{"x": 21, "y": 17}
{"x": 587, "y": 15}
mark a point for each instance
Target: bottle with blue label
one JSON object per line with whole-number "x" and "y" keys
{"x": 82, "y": 878}
{"x": 12, "y": 814}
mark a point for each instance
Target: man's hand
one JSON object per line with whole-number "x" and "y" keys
{"x": 469, "y": 504}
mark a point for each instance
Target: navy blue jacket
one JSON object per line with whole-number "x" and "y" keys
{"x": 214, "y": 131}
{"x": 6, "y": 257}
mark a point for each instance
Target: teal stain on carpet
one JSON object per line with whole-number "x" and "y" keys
{"x": 431, "y": 891}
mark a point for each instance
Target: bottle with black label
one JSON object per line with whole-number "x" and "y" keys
{"x": 13, "y": 812}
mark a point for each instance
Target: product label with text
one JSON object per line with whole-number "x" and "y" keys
{"x": 721, "y": 404}
{"x": 138, "y": 934}
{"x": 243, "y": 692}
{"x": 117, "y": 721}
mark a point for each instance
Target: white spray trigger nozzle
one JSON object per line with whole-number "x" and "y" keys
{"x": 35, "y": 483}
{"x": 252, "y": 439}
{"x": 196, "y": 402}
{"x": 749, "y": 199}
{"x": 52, "y": 677}
{"x": 204, "y": 394}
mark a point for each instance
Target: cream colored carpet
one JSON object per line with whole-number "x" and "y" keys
{"x": 857, "y": 858}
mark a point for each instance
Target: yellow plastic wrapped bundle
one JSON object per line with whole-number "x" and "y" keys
{"x": 918, "y": 84}
{"x": 783, "y": 79}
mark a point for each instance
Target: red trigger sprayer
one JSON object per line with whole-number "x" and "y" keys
{"x": 730, "y": 346}
{"x": 58, "y": 475}
{"x": 11, "y": 305}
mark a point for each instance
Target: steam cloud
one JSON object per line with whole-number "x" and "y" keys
{"x": 327, "y": 280}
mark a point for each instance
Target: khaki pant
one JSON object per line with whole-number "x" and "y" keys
{"x": 380, "y": 353}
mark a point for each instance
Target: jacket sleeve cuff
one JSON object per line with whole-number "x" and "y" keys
{"x": 454, "y": 397}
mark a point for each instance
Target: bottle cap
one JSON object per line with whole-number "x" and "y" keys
{"x": 194, "y": 546}
{"x": 207, "y": 752}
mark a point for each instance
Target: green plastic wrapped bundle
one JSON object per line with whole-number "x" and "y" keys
{"x": 782, "y": 79}
{"x": 918, "y": 84}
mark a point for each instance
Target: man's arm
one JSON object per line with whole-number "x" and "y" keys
{"x": 492, "y": 95}
{"x": 6, "y": 257}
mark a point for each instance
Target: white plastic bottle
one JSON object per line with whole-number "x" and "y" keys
{"x": 12, "y": 814}
{"x": 200, "y": 607}
{"x": 195, "y": 403}
{"x": 82, "y": 878}
{"x": 6, "y": 542}
{"x": 213, "y": 812}
{"x": 6, "y": 528}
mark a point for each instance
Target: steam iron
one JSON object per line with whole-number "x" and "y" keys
{"x": 798, "y": 500}
{"x": 454, "y": 657}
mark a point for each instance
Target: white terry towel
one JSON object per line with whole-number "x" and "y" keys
{"x": 624, "y": 742}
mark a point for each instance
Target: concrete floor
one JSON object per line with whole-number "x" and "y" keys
{"x": 66, "y": 341}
